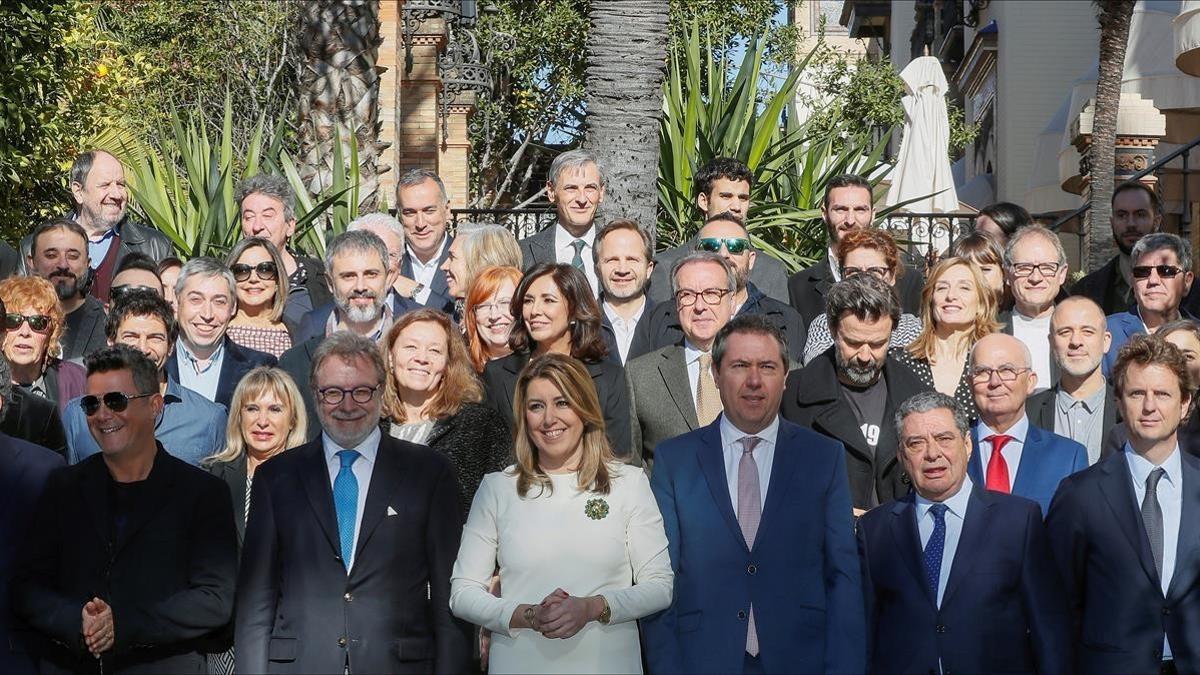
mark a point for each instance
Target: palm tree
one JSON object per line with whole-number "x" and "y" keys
{"x": 339, "y": 92}
{"x": 1114, "y": 16}
{"x": 627, "y": 52}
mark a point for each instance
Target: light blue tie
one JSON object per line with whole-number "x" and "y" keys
{"x": 345, "y": 502}
{"x": 935, "y": 547}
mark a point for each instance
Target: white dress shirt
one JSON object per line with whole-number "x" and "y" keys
{"x": 1170, "y": 500}
{"x": 1035, "y": 333}
{"x": 362, "y": 468}
{"x": 623, "y": 329}
{"x": 423, "y": 273}
{"x": 1012, "y": 451}
{"x": 956, "y": 514}
{"x": 564, "y": 252}
{"x": 763, "y": 453}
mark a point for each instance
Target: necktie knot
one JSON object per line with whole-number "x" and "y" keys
{"x": 578, "y": 245}
{"x": 998, "y": 441}
{"x": 938, "y": 511}
{"x": 749, "y": 443}
{"x": 1152, "y": 479}
{"x": 348, "y": 457}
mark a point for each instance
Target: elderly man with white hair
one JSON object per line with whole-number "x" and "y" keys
{"x": 1012, "y": 456}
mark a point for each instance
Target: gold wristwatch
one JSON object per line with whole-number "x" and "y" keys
{"x": 606, "y": 613}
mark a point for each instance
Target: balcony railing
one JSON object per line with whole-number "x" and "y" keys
{"x": 521, "y": 222}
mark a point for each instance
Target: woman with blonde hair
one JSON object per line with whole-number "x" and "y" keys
{"x": 261, "y": 322}
{"x": 34, "y": 323}
{"x": 433, "y": 397}
{"x": 578, "y": 538}
{"x": 957, "y": 308}
{"x": 474, "y": 248}
{"x": 487, "y": 314}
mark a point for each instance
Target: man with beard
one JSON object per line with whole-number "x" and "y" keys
{"x": 576, "y": 188}
{"x": 1162, "y": 278}
{"x": 361, "y": 279}
{"x": 58, "y": 252}
{"x": 727, "y": 236}
{"x": 851, "y": 391}
{"x": 1136, "y": 212}
{"x": 1082, "y": 406}
{"x": 847, "y": 206}
{"x": 624, "y": 259}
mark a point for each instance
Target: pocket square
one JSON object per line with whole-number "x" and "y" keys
{"x": 392, "y": 512}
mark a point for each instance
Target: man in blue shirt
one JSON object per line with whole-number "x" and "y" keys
{"x": 190, "y": 426}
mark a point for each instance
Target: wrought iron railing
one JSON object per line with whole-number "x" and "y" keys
{"x": 521, "y": 222}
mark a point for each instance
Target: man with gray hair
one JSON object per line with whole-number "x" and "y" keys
{"x": 576, "y": 189}
{"x": 267, "y": 207}
{"x": 1035, "y": 268}
{"x": 1162, "y": 277}
{"x": 391, "y": 231}
{"x": 425, "y": 213}
{"x": 851, "y": 390}
{"x": 205, "y": 360}
{"x": 350, "y": 544}
{"x": 940, "y": 613}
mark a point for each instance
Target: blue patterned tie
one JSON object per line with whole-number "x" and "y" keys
{"x": 934, "y": 548}
{"x": 345, "y": 502}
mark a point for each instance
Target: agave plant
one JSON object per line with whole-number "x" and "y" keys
{"x": 707, "y": 114}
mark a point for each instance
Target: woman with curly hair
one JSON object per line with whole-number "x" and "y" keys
{"x": 34, "y": 324}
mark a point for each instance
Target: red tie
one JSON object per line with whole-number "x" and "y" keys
{"x": 997, "y": 471}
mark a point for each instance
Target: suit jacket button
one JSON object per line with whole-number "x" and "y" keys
{"x": 341, "y": 642}
{"x": 941, "y": 629}
{"x": 348, "y": 598}
{"x": 751, "y": 569}
{"x": 1166, "y": 611}
{"x": 741, "y": 614}
{"x": 905, "y": 479}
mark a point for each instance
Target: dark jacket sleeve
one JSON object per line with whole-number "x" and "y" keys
{"x": 617, "y": 413}
{"x": 257, "y": 580}
{"x": 1044, "y": 601}
{"x": 845, "y": 624}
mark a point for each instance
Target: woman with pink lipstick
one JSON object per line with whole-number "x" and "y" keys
{"x": 957, "y": 308}
{"x": 262, "y": 298}
{"x": 577, "y": 536}
{"x": 34, "y": 324}
{"x": 487, "y": 315}
{"x": 558, "y": 314}
{"x": 433, "y": 397}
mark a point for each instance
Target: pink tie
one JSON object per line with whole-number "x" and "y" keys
{"x": 749, "y": 513}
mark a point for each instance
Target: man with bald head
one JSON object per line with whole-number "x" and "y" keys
{"x": 1011, "y": 455}
{"x": 1081, "y": 406}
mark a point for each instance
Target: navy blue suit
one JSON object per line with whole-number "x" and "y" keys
{"x": 1003, "y": 608}
{"x": 24, "y": 468}
{"x": 1046, "y": 459}
{"x": 238, "y": 361}
{"x": 1122, "y": 326}
{"x": 1113, "y": 587}
{"x": 802, "y": 576}
{"x": 439, "y": 289}
{"x": 314, "y": 322}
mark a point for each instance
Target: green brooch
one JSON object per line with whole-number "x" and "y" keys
{"x": 596, "y": 509}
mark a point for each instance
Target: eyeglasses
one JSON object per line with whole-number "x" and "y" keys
{"x": 114, "y": 400}
{"x": 266, "y": 271}
{"x": 118, "y": 292}
{"x": 1164, "y": 271}
{"x": 712, "y": 296}
{"x": 335, "y": 395}
{"x": 40, "y": 323}
{"x": 983, "y": 374}
{"x": 735, "y": 245}
{"x": 879, "y": 272}
{"x": 490, "y": 308}
{"x": 1023, "y": 270}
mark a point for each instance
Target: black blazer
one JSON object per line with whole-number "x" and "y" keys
{"x": 83, "y": 332}
{"x": 169, "y": 577}
{"x": 298, "y": 611}
{"x": 32, "y": 418}
{"x": 813, "y": 398}
{"x": 807, "y": 289}
{"x": 475, "y": 442}
{"x": 315, "y": 281}
{"x": 237, "y": 361}
{"x": 297, "y": 362}
{"x": 640, "y": 344}
{"x": 234, "y": 475}
{"x": 10, "y": 261}
{"x": 500, "y": 382}
{"x": 24, "y": 469}
{"x": 538, "y": 248}
{"x": 1040, "y": 409}
{"x": 1120, "y": 613}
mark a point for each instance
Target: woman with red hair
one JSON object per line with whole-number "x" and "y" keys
{"x": 487, "y": 315}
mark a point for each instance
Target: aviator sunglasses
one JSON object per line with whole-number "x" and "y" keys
{"x": 114, "y": 400}
{"x": 1164, "y": 271}
{"x": 266, "y": 271}
{"x": 736, "y": 245}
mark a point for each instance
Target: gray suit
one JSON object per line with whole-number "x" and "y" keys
{"x": 660, "y": 396}
{"x": 538, "y": 248}
{"x": 769, "y": 274}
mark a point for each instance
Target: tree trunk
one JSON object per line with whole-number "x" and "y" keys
{"x": 1114, "y": 16}
{"x": 339, "y": 93}
{"x": 627, "y": 52}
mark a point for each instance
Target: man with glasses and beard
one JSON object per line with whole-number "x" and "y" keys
{"x": 1136, "y": 212}
{"x": 851, "y": 391}
{"x": 1162, "y": 278}
{"x": 59, "y": 253}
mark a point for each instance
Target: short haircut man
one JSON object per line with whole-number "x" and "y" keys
{"x": 723, "y": 185}
{"x": 424, "y": 209}
{"x": 575, "y": 185}
{"x": 1162, "y": 278}
{"x": 117, "y": 533}
{"x": 1035, "y": 268}
{"x": 623, "y": 258}
{"x": 946, "y": 530}
{"x": 1136, "y": 212}
{"x": 58, "y": 252}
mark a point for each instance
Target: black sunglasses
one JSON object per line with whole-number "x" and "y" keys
{"x": 117, "y": 292}
{"x": 38, "y": 322}
{"x": 266, "y": 271}
{"x": 1164, "y": 271}
{"x": 114, "y": 400}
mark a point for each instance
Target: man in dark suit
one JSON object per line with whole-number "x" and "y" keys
{"x": 725, "y": 235}
{"x": 1081, "y": 406}
{"x": 671, "y": 390}
{"x": 348, "y": 551}
{"x": 757, "y": 515}
{"x": 623, "y": 258}
{"x": 1136, "y": 212}
{"x": 205, "y": 359}
{"x": 1162, "y": 279}
{"x": 59, "y": 254}
{"x": 977, "y": 591}
{"x": 722, "y": 186}
{"x": 424, "y": 212}
{"x": 851, "y": 391}
{"x": 847, "y": 205}
{"x": 576, "y": 188}
{"x": 24, "y": 468}
{"x": 1019, "y": 458}
{"x": 1123, "y": 532}
{"x": 131, "y": 558}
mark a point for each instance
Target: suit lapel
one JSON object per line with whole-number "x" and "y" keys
{"x": 387, "y": 480}
{"x": 1188, "y": 548}
{"x": 1031, "y": 461}
{"x": 1117, "y": 488}
{"x": 542, "y": 245}
{"x": 231, "y": 371}
{"x": 673, "y": 370}
{"x": 837, "y": 419}
{"x": 972, "y": 539}
{"x": 315, "y": 478}
{"x": 782, "y": 479}
{"x": 907, "y": 540}
{"x": 712, "y": 464}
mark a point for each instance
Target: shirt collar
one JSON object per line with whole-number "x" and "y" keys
{"x": 956, "y": 504}
{"x": 435, "y": 260}
{"x": 834, "y": 268}
{"x": 691, "y": 353}
{"x": 368, "y": 448}
{"x": 217, "y": 354}
{"x": 174, "y": 391}
{"x": 1140, "y": 467}
{"x": 612, "y": 315}
{"x": 1018, "y": 431}
{"x": 730, "y": 434}
{"x": 1091, "y": 403}
{"x": 563, "y": 239}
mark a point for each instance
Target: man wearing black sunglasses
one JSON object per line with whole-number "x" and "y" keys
{"x": 1162, "y": 277}
{"x": 131, "y": 556}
